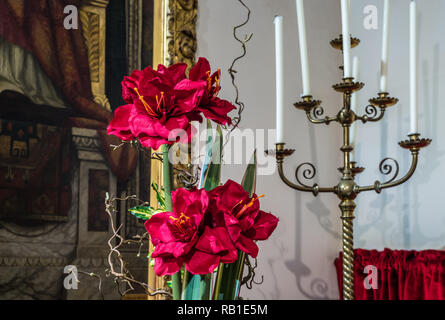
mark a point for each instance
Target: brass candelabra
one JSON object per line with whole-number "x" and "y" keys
{"x": 347, "y": 189}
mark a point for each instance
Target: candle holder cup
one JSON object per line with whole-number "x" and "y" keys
{"x": 337, "y": 43}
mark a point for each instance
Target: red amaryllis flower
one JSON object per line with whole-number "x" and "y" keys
{"x": 180, "y": 237}
{"x": 170, "y": 76}
{"x": 211, "y": 106}
{"x": 232, "y": 207}
{"x": 161, "y": 105}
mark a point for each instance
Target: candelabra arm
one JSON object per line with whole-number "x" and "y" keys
{"x": 379, "y": 186}
{"x": 372, "y": 114}
{"x": 314, "y": 118}
{"x": 280, "y": 154}
{"x": 288, "y": 182}
{"x": 381, "y": 102}
{"x": 313, "y": 110}
{"x": 407, "y": 176}
{"x": 315, "y": 189}
{"x": 414, "y": 144}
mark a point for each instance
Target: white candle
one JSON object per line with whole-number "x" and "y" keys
{"x": 278, "y": 21}
{"x": 413, "y": 66}
{"x": 355, "y": 64}
{"x": 346, "y": 38}
{"x": 303, "y": 49}
{"x": 385, "y": 45}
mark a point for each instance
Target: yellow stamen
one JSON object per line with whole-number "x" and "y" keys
{"x": 149, "y": 109}
{"x": 218, "y": 82}
{"x": 178, "y": 222}
{"x": 209, "y": 81}
{"x": 159, "y": 101}
{"x": 247, "y": 206}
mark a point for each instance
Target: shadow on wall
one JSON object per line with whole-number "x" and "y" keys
{"x": 408, "y": 208}
{"x": 430, "y": 105}
{"x": 318, "y": 287}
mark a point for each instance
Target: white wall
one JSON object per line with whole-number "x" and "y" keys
{"x": 410, "y": 216}
{"x": 297, "y": 262}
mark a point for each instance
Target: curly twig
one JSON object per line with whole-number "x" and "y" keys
{"x": 232, "y": 71}
{"x": 123, "y": 274}
{"x": 249, "y": 279}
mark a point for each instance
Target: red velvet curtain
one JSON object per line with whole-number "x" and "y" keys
{"x": 401, "y": 274}
{"x": 37, "y": 26}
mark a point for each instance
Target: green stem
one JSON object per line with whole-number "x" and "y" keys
{"x": 167, "y": 177}
{"x": 185, "y": 283}
{"x": 228, "y": 279}
{"x": 204, "y": 288}
{"x": 218, "y": 282}
{"x": 239, "y": 273}
{"x": 176, "y": 278}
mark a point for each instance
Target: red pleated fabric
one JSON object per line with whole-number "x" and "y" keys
{"x": 401, "y": 274}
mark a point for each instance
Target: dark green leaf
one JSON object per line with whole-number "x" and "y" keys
{"x": 249, "y": 179}
{"x": 212, "y": 177}
{"x": 144, "y": 213}
{"x": 160, "y": 195}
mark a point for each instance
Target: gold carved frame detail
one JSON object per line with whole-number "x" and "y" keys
{"x": 181, "y": 37}
{"x": 92, "y": 15}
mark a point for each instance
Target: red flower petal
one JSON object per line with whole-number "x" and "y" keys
{"x": 230, "y": 257}
{"x": 229, "y": 195}
{"x": 215, "y": 241}
{"x": 142, "y": 125}
{"x": 199, "y": 71}
{"x": 151, "y": 91}
{"x": 202, "y": 263}
{"x": 195, "y": 116}
{"x": 154, "y": 142}
{"x": 188, "y": 95}
{"x": 119, "y": 126}
{"x": 247, "y": 245}
{"x": 177, "y": 249}
{"x": 192, "y": 203}
{"x": 177, "y": 72}
{"x": 157, "y": 141}
{"x": 233, "y": 226}
{"x": 158, "y": 228}
{"x": 217, "y": 109}
{"x": 129, "y": 83}
{"x": 264, "y": 225}
{"x": 166, "y": 266}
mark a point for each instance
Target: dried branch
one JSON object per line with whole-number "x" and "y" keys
{"x": 232, "y": 71}
{"x": 90, "y": 274}
{"x": 249, "y": 280}
{"x": 119, "y": 269}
